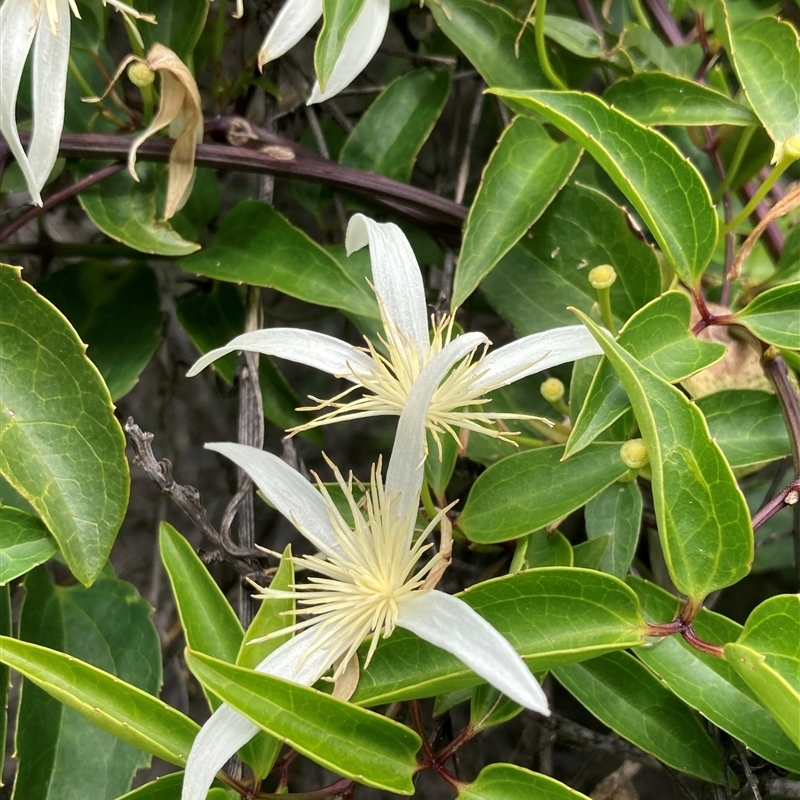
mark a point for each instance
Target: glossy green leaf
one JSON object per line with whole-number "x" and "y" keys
{"x": 788, "y": 266}
{"x": 543, "y": 549}
{"x": 178, "y": 27}
{"x": 338, "y": 18}
{"x": 126, "y": 211}
{"x": 747, "y": 425}
{"x": 657, "y": 98}
{"x": 488, "y": 707}
{"x": 534, "y": 283}
{"x": 659, "y": 336}
{"x": 439, "y": 466}
{"x": 507, "y": 782}
{"x": 703, "y": 522}
{"x": 121, "y": 335}
{"x": 589, "y": 554}
{"x": 766, "y": 58}
{"x": 529, "y": 609}
{"x": 486, "y": 34}
{"x": 524, "y": 173}
{"x": 123, "y": 710}
{"x": 574, "y": 35}
{"x": 773, "y": 316}
{"x": 709, "y": 684}
{"x": 663, "y": 186}
{"x": 5, "y": 673}
{"x": 168, "y": 787}
{"x": 25, "y": 543}
{"x": 616, "y": 512}
{"x": 62, "y": 755}
{"x": 527, "y": 491}
{"x": 257, "y": 246}
{"x": 623, "y": 694}
{"x": 60, "y": 446}
{"x": 348, "y": 740}
{"x": 391, "y": 133}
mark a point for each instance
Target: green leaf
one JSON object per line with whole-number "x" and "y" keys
{"x": 488, "y": 707}
{"x": 527, "y": 491}
{"x": 709, "y": 684}
{"x": 766, "y": 58}
{"x": 126, "y": 211}
{"x": 788, "y": 266}
{"x": 534, "y": 283}
{"x": 60, "y": 446}
{"x": 623, "y": 694}
{"x": 529, "y": 609}
{"x": 574, "y": 35}
{"x": 747, "y": 425}
{"x": 25, "y": 543}
{"x": 391, "y": 133}
{"x": 773, "y": 316}
{"x": 523, "y": 175}
{"x": 257, "y": 246}
{"x": 659, "y": 336}
{"x": 123, "y": 710}
{"x": 168, "y": 787}
{"x": 657, "y": 98}
{"x": 338, "y": 18}
{"x": 663, "y": 186}
{"x": 179, "y": 25}
{"x": 543, "y": 549}
{"x": 5, "y": 673}
{"x": 616, "y": 512}
{"x": 348, "y": 740}
{"x": 439, "y": 467}
{"x": 589, "y": 554}
{"x": 703, "y": 522}
{"x": 61, "y": 754}
{"x": 121, "y": 335}
{"x": 486, "y": 34}
{"x": 507, "y": 782}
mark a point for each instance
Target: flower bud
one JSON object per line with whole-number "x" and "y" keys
{"x": 602, "y": 277}
{"x": 634, "y": 454}
{"x": 791, "y": 147}
{"x": 140, "y": 74}
{"x": 552, "y": 390}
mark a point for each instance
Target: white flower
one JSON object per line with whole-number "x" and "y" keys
{"x": 296, "y": 19}
{"x": 368, "y": 586}
{"x": 45, "y": 26}
{"x": 387, "y": 380}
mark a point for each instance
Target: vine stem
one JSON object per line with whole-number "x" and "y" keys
{"x": 541, "y": 46}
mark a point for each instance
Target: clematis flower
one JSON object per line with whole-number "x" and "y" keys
{"x": 362, "y": 41}
{"x": 369, "y": 586}
{"x": 386, "y": 380}
{"x": 45, "y": 26}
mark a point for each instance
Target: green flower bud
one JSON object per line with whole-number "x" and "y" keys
{"x": 791, "y": 147}
{"x": 634, "y": 454}
{"x": 602, "y": 277}
{"x": 552, "y": 390}
{"x": 140, "y": 74}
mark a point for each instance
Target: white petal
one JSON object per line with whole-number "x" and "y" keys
{"x": 451, "y": 624}
{"x": 293, "y": 22}
{"x": 405, "y": 470}
{"x": 305, "y": 347}
{"x": 396, "y": 275}
{"x": 50, "y": 63}
{"x": 287, "y": 490}
{"x": 535, "y": 353}
{"x": 18, "y": 23}
{"x": 360, "y": 45}
{"x": 227, "y": 730}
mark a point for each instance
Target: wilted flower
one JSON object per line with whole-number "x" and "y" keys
{"x": 369, "y": 584}
{"x": 45, "y": 26}
{"x": 388, "y": 379}
{"x": 296, "y": 19}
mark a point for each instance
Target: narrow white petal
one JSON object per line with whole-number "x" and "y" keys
{"x": 305, "y": 347}
{"x": 17, "y": 28}
{"x": 360, "y": 45}
{"x": 227, "y": 730}
{"x": 287, "y": 490}
{"x": 50, "y": 63}
{"x": 535, "y": 353}
{"x": 395, "y": 273}
{"x": 293, "y": 22}
{"x": 405, "y": 470}
{"x": 451, "y": 624}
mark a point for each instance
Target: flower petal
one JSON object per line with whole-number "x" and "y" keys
{"x": 17, "y": 28}
{"x": 227, "y": 730}
{"x": 50, "y": 63}
{"x": 405, "y": 470}
{"x": 535, "y": 353}
{"x": 293, "y": 22}
{"x": 305, "y": 347}
{"x": 360, "y": 45}
{"x": 451, "y": 624}
{"x": 396, "y": 275}
{"x": 287, "y": 490}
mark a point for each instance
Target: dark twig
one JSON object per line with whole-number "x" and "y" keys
{"x": 748, "y": 773}
{"x": 665, "y": 21}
